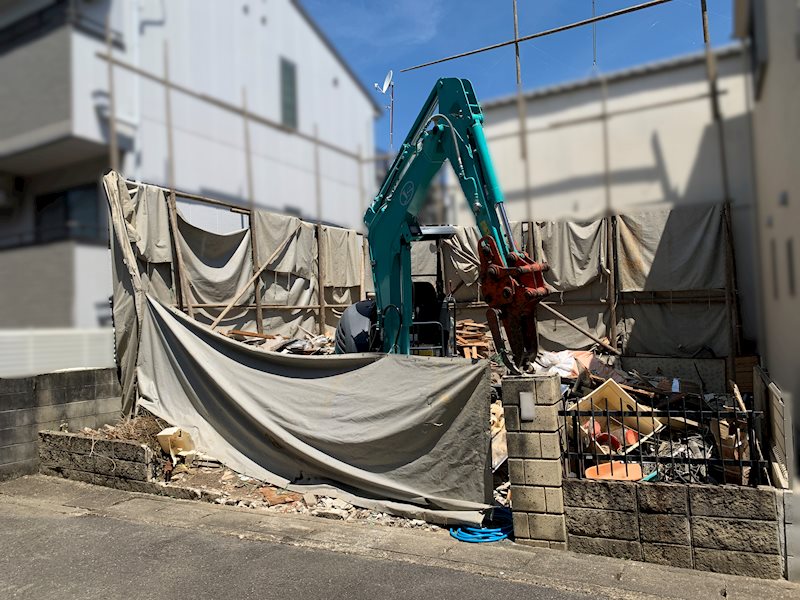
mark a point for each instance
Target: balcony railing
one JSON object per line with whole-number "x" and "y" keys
{"x": 49, "y": 18}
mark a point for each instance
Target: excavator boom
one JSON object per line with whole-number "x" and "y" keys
{"x": 450, "y": 128}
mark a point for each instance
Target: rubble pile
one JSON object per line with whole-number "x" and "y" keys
{"x": 310, "y": 344}
{"x": 182, "y": 466}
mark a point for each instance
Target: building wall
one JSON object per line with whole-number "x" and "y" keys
{"x": 776, "y": 124}
{"x": 54, "y": 129}
{"x": 663, "y": 152}
{"x": 90, "y": 306}
{"x": 209, "y": 141}
{"x": 35, "y": 93}
{"x": 77, "y": 399}
{"x": 38, "y": 285}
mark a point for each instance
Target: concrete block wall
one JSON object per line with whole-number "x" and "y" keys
{"x": 534, "y": 460}
{"x": 79, "y": 398}
{"x": 119, "y": 464}
{"x": 725, "y": 529}
{"x": 113, "y": 463}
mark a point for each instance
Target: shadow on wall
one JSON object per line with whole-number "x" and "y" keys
{"x": 671, "y": 259}
{"x": 703, "y": 185}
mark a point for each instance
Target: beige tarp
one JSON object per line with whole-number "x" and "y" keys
{"x": 403, "y": 434}
{"x": 670, "y": 250}
{"x": 575, "y": 252}
{"x": 382, "y": 427}
{"x": 677, "y": 249}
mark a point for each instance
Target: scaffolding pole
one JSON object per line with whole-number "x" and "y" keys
{"x": 517, "y": 40}
{"x": 248, "y": 162}
{"x": 734, "y": 331}
{"x": 113, "y": 147}
{"x": 523, "y": 142}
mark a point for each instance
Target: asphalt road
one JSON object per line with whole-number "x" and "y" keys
{"x": 62, "y": 539}
{"x": 57, "y": 557}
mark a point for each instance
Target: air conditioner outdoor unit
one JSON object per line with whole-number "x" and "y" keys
{"x": 12, "y": 189}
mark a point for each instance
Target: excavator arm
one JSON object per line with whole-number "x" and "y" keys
{"x": 450, "y": 127}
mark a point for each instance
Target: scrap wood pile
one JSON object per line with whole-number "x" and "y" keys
{"x": 628, "y": 425}
{"x": 473, "y": 339}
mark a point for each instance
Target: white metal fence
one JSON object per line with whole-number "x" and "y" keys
{"x": 33, "y": 351}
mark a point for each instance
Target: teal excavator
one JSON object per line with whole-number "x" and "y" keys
{"x": 398, "y": 320}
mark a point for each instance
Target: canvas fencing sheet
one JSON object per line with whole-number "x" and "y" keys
{"x": 575, "y": 252}
{"x": 406, "y": 435}
{"x": 675, "y": 329}
{"x": 217, "y": 266}
{"x": 408, "y": 430}
{"x": 341, "y": 252}
{"x": 678, "y": 249}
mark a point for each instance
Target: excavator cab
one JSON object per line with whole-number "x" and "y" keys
{"x": 432, "y": 331}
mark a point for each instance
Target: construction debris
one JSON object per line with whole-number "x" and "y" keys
{"x": 657, "y": 426}
{"x": 216, "y": 483}
{"x": 313, "y": 344}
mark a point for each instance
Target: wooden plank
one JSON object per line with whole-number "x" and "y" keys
{"x": 113, "y": 146}
{"x": 263, "y": 336}
{"x": 251, "y": 201}
{"x": 230, "y": 107}
{"x": 268, "y": 306}
{"x": 627, "y": 388}
{"x": 321, "y": 279}
{"x": 180, "y": 269}
{"x": 244, "y": 288}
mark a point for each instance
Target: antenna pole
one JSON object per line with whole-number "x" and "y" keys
{"x": 391, "y": 116}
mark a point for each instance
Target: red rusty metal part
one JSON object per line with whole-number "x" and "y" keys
{"x": 512, "y": 292}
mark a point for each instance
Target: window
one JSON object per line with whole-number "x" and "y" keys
{"x": 790, "y": 264}
{"x": 288, "y": 94}
{"x": 773, "y": 254}
{"x": 70, "y": 214}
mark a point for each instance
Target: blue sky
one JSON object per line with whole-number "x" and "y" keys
{"x": 377, "y": 35}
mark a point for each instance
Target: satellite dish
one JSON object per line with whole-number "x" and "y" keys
{"x": 387, "y": 82}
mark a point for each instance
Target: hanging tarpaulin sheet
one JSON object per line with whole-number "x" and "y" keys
{"x": 575, "y": 252}
{"x": 671, "y": 249}
{"x": 342, "y": 257}
{"x": 400, "y": 433}
{"x": 217, "y": 267}
{"x": 675, "y": 329}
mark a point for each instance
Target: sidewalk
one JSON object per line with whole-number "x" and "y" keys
{"x": 558, "y": 571}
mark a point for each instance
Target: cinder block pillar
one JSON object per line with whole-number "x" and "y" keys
{"x": 531, "y": 407}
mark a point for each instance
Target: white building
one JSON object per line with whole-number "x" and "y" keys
{"x": 772, "y": 31}
{"x": 54, "y": 131}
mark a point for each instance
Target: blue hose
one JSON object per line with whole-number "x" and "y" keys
{"x": 498, "y": 528}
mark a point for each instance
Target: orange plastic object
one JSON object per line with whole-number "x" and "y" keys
{"x": 621, "y": 471}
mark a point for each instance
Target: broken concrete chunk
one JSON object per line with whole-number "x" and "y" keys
{"x": 330, "y": 513}
{"x": 310, "y": 500}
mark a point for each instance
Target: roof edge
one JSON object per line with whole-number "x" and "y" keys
{"x": 620, "y": 75}
{"x": 329, "y": 44}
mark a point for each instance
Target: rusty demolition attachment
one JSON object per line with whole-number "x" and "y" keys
{"x": 512, "y": 292}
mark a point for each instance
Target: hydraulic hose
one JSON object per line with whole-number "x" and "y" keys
{"x": 498, "y": 528}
